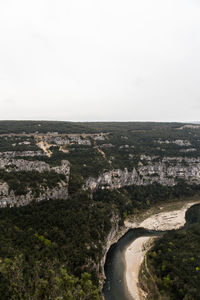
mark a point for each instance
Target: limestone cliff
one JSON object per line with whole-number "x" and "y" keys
{"x": 112, "y": 238}
{"x": 8, "y": 197}
{"x": 165, "y": 171}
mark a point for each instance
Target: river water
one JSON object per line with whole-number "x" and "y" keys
{"x": 115, "y": 285}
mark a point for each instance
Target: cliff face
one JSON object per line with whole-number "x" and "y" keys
{"x": 165, "y": 171}
{"x": 120, "y": 154}
{"x": 150, "y": 169}
{"x": 7, "y": 195}
{"x": 112, "y": 238}
{"x": 123, "y": 155}
{"x": 39, "y": 166}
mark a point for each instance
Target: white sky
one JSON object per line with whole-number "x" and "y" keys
{"x": 100, "y": 60}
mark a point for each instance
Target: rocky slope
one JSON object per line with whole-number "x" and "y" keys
{"x": 165, "y": 171}
{"x": 8, "y": 197}
{"x": 101, "y": 160}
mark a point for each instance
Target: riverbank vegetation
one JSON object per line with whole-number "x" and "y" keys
{"x": 133, "y": 199}
{"x": 42, "y": 241}
{"x": 174, "y": 263}
{"x": 51, "y": 247}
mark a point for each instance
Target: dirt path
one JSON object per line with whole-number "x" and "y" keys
{"x": 45, "y": 147}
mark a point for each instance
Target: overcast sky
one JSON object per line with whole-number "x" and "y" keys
{"x": 100, "y": 60}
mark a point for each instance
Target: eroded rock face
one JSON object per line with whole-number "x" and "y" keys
{"x": 188, "y": 150}
{"x": 8, "y": 197}
{"x": 112, "y": 238}
{"x": 150, "y": 170}
{"x": 39, "y": 166}
{"x": 55, "y": 139}
{"x": 13, "y": 154}
{"x": 176, "y": 142}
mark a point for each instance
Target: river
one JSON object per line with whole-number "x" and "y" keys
{"x": 116, "y": 286}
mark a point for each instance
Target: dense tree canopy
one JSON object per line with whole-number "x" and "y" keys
{"x": 174, "y": 263}
{"x": 45, "y": 244}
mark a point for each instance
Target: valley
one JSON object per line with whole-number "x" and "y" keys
{"x": 70, "y": 189}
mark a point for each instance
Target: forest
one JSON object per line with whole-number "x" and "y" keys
{"x": 49, "y": 247}
{"x": 54, "y": 245}
{"x": 174, "y": 262}
{"x": 21, "y": 182}
{"x": 77, "y": 127}
{"x": 52, "y": 249}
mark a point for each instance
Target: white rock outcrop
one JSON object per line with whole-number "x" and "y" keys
{"x": 164, "y": 171}
{"x": 8, "y": 197}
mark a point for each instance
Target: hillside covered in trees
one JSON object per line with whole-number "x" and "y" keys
{"x": 174, "y": 263}
{"x": 65, "y": 186}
